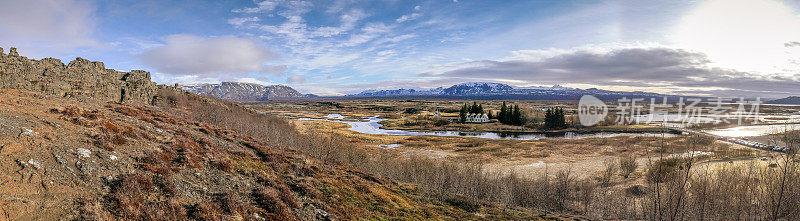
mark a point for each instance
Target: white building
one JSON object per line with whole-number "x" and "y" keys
{"x": 477, "y": 118}
{"x": 437, "y": 115}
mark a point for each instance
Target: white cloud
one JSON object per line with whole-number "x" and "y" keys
{"x": 295, "y": 79}
{"x": 329, "y": 60}
{"x": 264, "y": 6}
{"x": 410, "y": 17}
{"x": 396, "y": 39}
{"x": 368, "y": 32}
{"x": 193, "y": 55}
{"x": 654, "y": 69}
{"x": 296, "y": 8}
{"x": 197, "y": 79}
{"x": 239, "y": 22}
{"x": 325, "y": 89}
{"x": 297, "y": 32}
{"x": 748, "y": 35}
{"x": 47, "y": 27}
{"x": 261, "y": 81}
{"x": 349, "y": 21}
{"x": 386, "y": 52}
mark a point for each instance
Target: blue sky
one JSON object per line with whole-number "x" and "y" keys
{"x": 718, "y": 47}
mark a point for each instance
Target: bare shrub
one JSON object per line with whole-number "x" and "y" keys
{"x": 608, "y": 173}
{"x": 627, "y": 165}
{"x": 665, "y": 169}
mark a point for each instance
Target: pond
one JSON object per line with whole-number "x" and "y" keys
{"x": 371, "y": 125}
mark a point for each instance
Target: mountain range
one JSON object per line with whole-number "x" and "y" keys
{"x": 486, "y": 90}
{"x": 786, "y": 100}
{"x": 245, "y": 92}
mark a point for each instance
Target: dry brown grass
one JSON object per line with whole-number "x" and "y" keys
{"x": 672, "y": 191}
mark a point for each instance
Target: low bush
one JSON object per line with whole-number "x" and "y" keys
{"x": 627, "y": 165}
{"x": 664, "y": 169}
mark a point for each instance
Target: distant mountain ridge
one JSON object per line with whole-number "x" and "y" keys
{"x": 786, "y": 100}
{"x": 488, "y": 90}
{"x": 245, "y": 92}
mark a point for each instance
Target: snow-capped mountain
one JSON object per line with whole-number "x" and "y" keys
{"x": 244, "y": 92}
{"x": 787, "y": 100}
{"x": 471, "y": 88}
{"x": 503, "y": 91}
{"x": 477, "y": 88}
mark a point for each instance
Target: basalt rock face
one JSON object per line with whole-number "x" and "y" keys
{"x": 80, "y": 78}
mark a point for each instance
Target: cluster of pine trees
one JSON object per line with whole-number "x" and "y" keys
{"x": 475, "y": 108}
{"x": 511, "y": 115}
{"x": 554, "y": 118}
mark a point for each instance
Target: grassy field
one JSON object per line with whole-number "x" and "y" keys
{"x": 599, "y": 178}
{"x": 406, "y": 114}
{"x": 586, "y": 155}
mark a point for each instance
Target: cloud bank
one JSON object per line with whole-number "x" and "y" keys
{"x": 654, "y": 67}
{"x": 295, "y": 79}
{"x": 209, "y": 57}
{"x": 47, "y": 27}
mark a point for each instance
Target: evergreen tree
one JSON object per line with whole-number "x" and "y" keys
{"x": 463, "y": 113}
{"x": 548, "y": 118}
{"x": 474, "y": 108}
{"x": 510, "y": 115}
{"x": 554, "y": 118}
{"x": 517, "y": 116}
{"x": 502, "y": 115}
{"x": 489, "y": 114}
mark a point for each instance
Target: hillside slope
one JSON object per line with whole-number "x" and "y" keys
{"x": 61, "y": 158}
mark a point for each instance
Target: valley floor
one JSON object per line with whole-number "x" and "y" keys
{"x": 531, "y": 158}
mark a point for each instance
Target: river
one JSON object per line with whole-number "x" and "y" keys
{"x": 371, "y": 125}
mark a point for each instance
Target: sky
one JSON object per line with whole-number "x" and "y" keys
{"x": 704, "y": 47}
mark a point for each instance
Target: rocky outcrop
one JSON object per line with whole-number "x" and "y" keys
{"x": 244, "y": 92}
{"x": 80, "y": 78}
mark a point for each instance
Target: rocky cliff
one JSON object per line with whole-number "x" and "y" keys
{"x": 244, "y": 92}
{"x": 80, "y": 78}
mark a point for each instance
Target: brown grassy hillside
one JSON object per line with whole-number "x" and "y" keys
{"x": 188, "y": 157}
